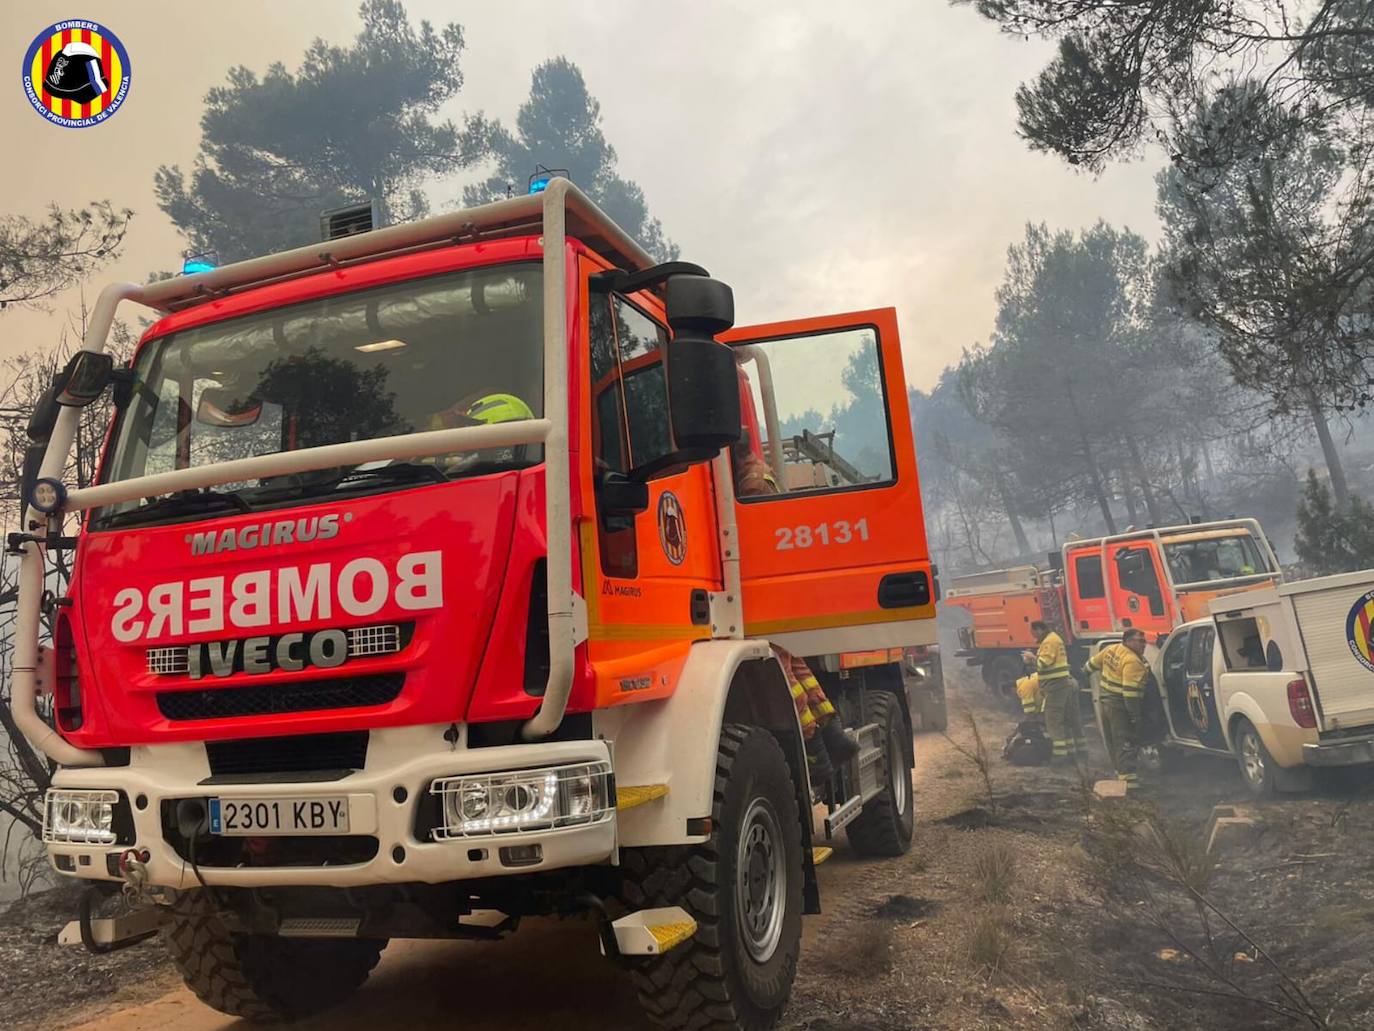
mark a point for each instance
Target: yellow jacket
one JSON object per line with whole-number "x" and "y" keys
{"x": 1051, "y": 660}
{"x": 1123, "y": 671}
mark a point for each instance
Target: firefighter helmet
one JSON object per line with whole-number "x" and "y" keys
{"x": 75, "y": 74}
{"x": 494, "y": 408}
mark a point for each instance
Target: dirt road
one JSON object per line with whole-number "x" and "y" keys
{"x": 1006, "y": 914}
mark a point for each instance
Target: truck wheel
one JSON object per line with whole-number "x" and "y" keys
{"x": 743, "y": 887}
{"x": 260, "y": 977}
{"x": 885, "y": 825}
{"x": 1002, "y": 675}
{"x": 1256, "y": 764}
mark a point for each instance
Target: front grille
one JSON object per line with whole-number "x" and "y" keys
{"x": 172, "y": 659}
{"x": 363, "y": 641}
{"x": 291, "y": 696}
{"x": 302, "y": 753}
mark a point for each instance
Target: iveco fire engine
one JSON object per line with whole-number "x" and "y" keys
{"x": 413, "y": 597}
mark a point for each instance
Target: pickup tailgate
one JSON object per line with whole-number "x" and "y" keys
{"x": 1337, "y": 626}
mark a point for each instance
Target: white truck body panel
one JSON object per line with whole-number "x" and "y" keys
{"x": 1318, "y": 628}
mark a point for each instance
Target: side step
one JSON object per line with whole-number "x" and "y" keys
{"x": 638, "y": 794}
{"x": 652, "y": 932}
{"x": 820, "y": 853}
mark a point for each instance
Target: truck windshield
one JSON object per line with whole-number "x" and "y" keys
{"x": 1216, "y": 558}
{"x": 452, "y": 350}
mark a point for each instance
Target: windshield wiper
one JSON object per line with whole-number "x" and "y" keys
{"x": 396, "y": 472}
{"x": 184, "y": 502}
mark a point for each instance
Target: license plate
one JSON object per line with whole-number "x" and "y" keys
{"x": 244, "y": 817}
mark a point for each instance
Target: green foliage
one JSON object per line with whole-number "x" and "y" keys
{"x": 1260, "y": 250}
{"x": 559, "y": 126}
{"x": 352, "y": 123}
{"x": 41, "y": 257}
{"x": 1329, "y": 539}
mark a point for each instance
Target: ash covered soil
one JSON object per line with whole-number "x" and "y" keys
{"x": 1037, "y": 907}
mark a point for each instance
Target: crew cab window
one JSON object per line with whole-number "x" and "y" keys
{"x": 1135, "y": 570}
{"x": 1087, "y": 570}
{"x": 815, "y": 416}
{"x": 1241, "y": 644}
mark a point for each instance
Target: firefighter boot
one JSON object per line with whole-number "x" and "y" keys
{"x": 838, "y": 743}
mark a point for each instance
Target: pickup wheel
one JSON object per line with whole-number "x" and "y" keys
{"x": 884, "y": 827}
{"x": 260, "y": 977}
{"x": 743, "y": 887}
{"x": 1256, "y": 764}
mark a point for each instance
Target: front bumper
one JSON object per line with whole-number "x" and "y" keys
{"x": 383, "y": 797}
{"x": 1352, "y": 752}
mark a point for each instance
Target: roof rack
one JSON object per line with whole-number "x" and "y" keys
{"x": 516, "y": 216}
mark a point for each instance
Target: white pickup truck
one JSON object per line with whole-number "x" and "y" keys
{"x": 1281, "y": 679}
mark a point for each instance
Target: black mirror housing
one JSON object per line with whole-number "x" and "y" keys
{"x": 44, "y": 416}
{"x": 620, "y": 498}
{"x": 703, "y": 383}
{"x": 84, "y": 378}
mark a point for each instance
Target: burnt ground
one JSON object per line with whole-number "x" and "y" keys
{"x": 1038, "y": 907}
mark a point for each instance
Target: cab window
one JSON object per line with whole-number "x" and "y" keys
{"x": 1200, "y": 652}
{"x": 1087, "y": 570}
{"x": 815, "y": 416}
{"x": 630, "y": 424}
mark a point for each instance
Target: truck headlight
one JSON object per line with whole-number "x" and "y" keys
{"x": 526, "y": 800}
{"x": 80, "y": 817}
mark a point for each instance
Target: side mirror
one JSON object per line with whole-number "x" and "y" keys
{"x": 619, "y": 499}
{"x": 703, "y": 386}
{"x": 44, "y": 416}
{"x": 84, "y": 379}
{"x": 1130, "y": 563}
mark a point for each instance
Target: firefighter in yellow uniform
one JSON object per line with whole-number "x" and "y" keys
{"x": 1124, "y": 673}
{"x": 1028, "y": 691}
{"x": 1063, "y": 717}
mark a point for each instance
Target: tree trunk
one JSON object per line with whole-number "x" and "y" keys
{"x": 1146, "y": 491}
{"x": 1018, "y": 531}
{"x": 1099, "y": 490}
{"x": 1339, "y": 490}
{"x": 1128, "y": 496}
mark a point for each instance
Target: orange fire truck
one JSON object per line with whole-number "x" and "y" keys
{"x": 1153, "y": 579}
{"x": 414, "y": 598}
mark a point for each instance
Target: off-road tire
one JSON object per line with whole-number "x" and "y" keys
{"x": 1257, "y": 768}
{"x": 712, "y": 981}
{"x": 885, "y": 826}
{"x": 260, "y": 977}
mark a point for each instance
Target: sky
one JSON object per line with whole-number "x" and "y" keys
{"x": 817, "y": 157}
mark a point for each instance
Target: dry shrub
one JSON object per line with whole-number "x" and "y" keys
{"x": 994, "y": 872}
{"x": 987, "y": 943}
{"x": 864, "y": 949}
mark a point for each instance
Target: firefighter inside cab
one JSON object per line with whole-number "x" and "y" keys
{"x": 827, "y": 744}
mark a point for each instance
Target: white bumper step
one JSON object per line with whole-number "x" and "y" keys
{"x": 652, "y": 932}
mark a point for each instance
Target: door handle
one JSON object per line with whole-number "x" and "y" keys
{"x": 903, "y": 590}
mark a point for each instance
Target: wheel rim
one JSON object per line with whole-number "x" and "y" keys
{"x": 898, "y": 773}
{"x": 761, "y": 873}
{"x": 1252, "y": 762}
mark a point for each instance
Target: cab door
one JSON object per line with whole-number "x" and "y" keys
{"x": 833, "y": 550}
{"x": 1200, "y": 699}
{"x": 1137, "y": 583}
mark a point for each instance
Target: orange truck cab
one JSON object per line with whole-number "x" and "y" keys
{"x": 1152, "y": 579}
{"x": 413, "y": 597}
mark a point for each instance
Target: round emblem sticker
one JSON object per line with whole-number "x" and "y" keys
{"x": 1359, "y": 631}
{"x": 76, "y": 73}
{"x": 672, "y": 528}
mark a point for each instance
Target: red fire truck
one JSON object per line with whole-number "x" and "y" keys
{"x": 1153, "y": 579}
{"x": 414, "y": 598}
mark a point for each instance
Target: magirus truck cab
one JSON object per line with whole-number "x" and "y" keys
{"x": 413, "y": 598}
